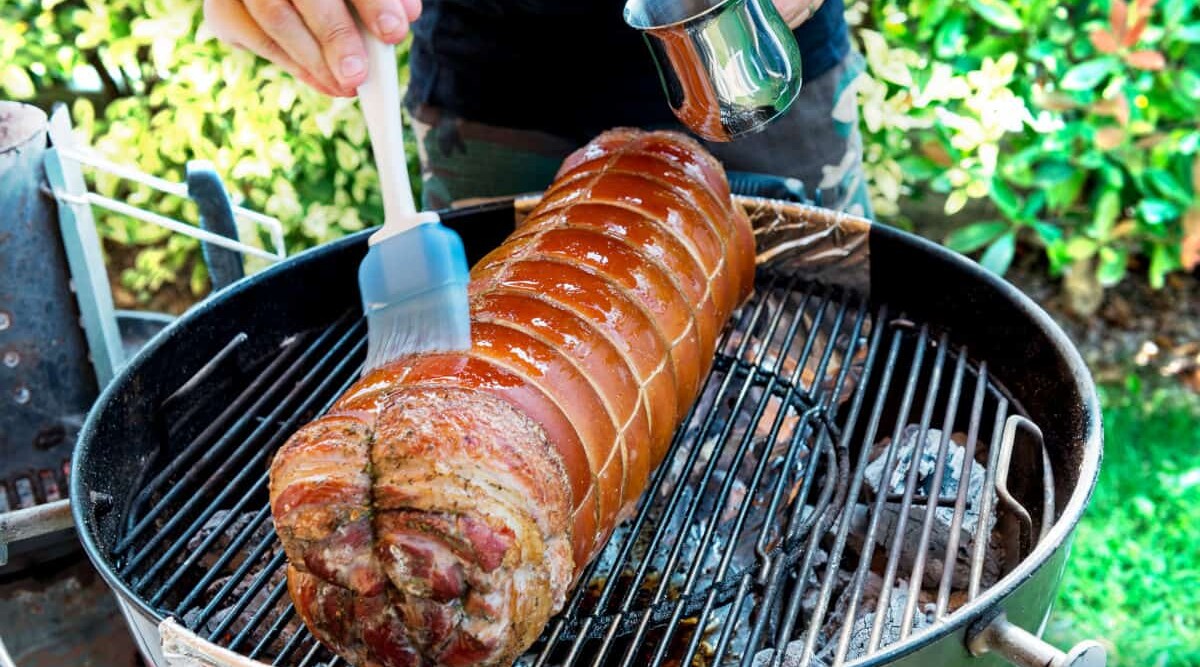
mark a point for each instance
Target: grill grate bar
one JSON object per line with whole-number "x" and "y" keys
{"x": 819, "y": 516}
{"x": 302, "y": 636}
{"x": 702, "y": 485}
{"x": 169, "y": 556}
{"x": 774, "y": 570}
{"x": 200, "y": 497}
{"x": 572, "y": 609}
{"x": 910, "y": 489}
{"x": 235, "y": 548}
{"x": 281, "y": 434}
{"x": 860, "y": 394}
{"x": 727, "y": 485}
{"x": 264, "y": 545}
{"x": 273, "y": 632}
{"x": 192, "y": 448}
{"x": 774, "y": 575}
{"x": 986, "y": 503}
{"x": 246, "y": 598}
{"x": 860, "y": 574}
{"x": 677, "y": 493}
{"x": 743, "y": 512}
{"x": 764, "y": 536}
{"x": 918, "y": 568}
{"x": 313, "y": 654}
{"x": 264, "y": 387}
{"x": 259, "y": 616}
{"x": 960, "y": 503}
{"x": 793, "y": 608}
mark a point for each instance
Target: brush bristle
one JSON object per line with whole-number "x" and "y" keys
{"x": 436, "y": 321}
{"x": 414, "y": 291}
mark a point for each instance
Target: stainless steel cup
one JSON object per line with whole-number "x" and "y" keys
{"x": 729, "y": 67}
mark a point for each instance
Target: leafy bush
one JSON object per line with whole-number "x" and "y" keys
{"x": 149, "y": 87}
{"x": 1079, "y": 123}
{"x": 1076, "y": 126}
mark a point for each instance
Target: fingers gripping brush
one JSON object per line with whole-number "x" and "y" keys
{"x": 414, "y": 277}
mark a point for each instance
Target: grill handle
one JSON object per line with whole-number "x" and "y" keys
{"x": 1024, "y": 649}
{"x": 31, "y": 522}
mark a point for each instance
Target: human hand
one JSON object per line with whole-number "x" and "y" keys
{"x": 317, "y": 41}
{"x": 795, "y": 12}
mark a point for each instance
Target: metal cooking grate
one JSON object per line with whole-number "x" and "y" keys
{"x": 788, "y": 512}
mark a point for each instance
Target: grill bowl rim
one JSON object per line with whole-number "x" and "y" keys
{"x": 1091, "y": 447}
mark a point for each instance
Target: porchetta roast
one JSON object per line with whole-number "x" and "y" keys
{"x": 444, "y": 507}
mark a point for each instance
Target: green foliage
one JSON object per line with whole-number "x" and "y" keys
{"x": 1077, "y": 126}
{"x": 1078, "y": 123}
{"x": 149, "y": 86}
{"x": 1133, "y": 580}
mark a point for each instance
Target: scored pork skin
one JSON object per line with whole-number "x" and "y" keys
{"x": 443, "y": 508}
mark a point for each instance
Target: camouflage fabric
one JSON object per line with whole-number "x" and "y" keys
{"x": 818, "y": 143}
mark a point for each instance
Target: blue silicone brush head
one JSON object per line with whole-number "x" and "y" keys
{"x": 414, "y": 293}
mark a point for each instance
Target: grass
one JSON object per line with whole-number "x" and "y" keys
{"x": 1133, "y": 578}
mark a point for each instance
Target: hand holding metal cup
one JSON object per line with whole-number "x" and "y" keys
{"x": 728, "y": 67}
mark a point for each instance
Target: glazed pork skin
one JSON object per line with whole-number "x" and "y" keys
{"x": 443, "y": 508}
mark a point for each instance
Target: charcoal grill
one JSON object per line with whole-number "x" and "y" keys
{"x": 885, "y": 466}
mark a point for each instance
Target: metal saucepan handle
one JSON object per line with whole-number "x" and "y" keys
{"x": 31, "y": 522}
{"x": 1025, "y": 649}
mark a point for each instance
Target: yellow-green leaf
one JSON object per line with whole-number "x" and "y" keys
{"x": 999, "y": 13}
{"x": 16, "y": 82}
{"x": 348, "y": 157}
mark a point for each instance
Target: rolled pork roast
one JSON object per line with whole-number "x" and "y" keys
{"x": 444, "y": 507}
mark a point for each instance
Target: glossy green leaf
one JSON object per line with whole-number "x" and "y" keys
{"x": 951, "y": 37}
{"x": 999, "y": 255}
{"x": 920, "y": 167}
{"x": 199, "y": 278}
{"x": 1189, "y": 143}
{"x": 932, "y": 16}
{"x": 1189, "y": 33}
{"x": 975, "y": 236}
{"x": 1041, "y": 49}
{"x": 1087, "y": 75}
{"x": 1163, "y": 260}
{"x": 1157, "y": 211}
{"x": 1189, "y": 84}
{"x": 1057, "y": 255}
{"x": 999, "y": 13}
{"x": 1063, "y": 195}
{"x": 1033, "y": 205}
{"x": 1047, "y": 232}
{"x": 1111, "y": 267}
{"x": 1053, "y": 171}
{"x": 1113, "y": 176}
{"x": 1091, "y": 159}
{"x": 1005, "y": 199}
{"x": 1168, "y": 186}
{"x": 1108, "y": 207}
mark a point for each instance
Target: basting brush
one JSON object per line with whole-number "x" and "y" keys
{"x": 414, "y": 277}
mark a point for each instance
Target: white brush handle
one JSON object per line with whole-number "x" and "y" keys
{"x": 379, "y": 96}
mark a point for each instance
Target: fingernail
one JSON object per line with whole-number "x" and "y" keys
{"x": 389, "y": 24}
{"x": 352, "y": 66}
